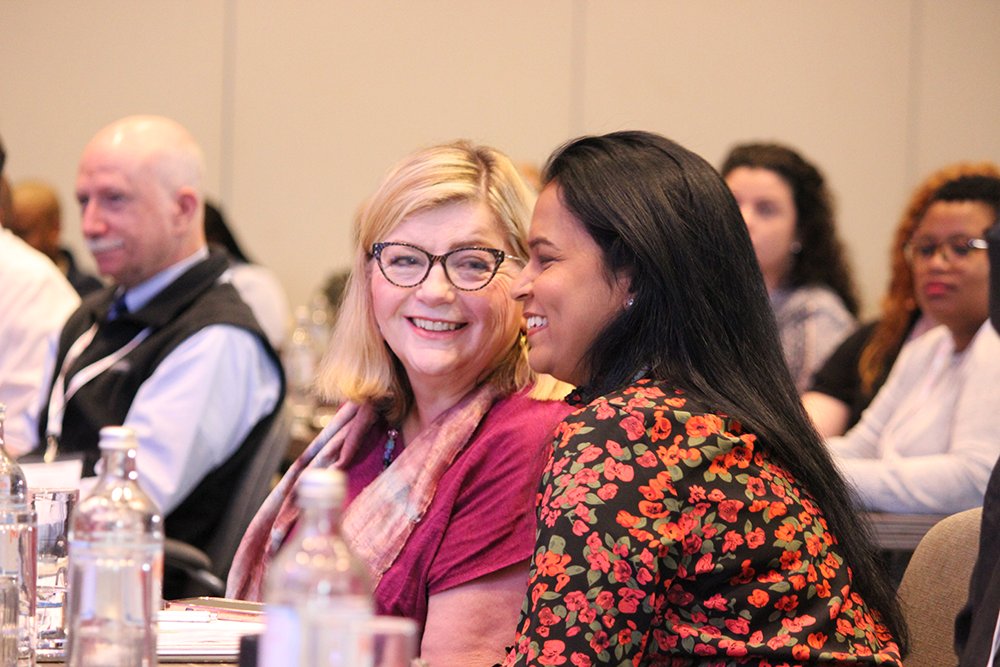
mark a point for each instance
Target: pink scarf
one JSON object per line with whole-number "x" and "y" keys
{"x": 381, "y": 518}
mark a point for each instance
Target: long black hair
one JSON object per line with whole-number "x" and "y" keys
{"x": 700, "y": 317}
{"x": 821, "y": 259}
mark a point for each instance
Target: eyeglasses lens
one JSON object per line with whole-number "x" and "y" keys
{"x": 466, "y": 268}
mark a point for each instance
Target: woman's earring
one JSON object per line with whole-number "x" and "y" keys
{"x": 628, "y": 304}
{"x": 796, "y": 247}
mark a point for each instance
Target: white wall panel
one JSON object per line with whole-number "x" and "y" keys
{"x": 329, "y": 95}
{"x": 828, "y": 78}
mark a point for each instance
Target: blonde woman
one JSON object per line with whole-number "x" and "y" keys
{"x": 429, "y": 358}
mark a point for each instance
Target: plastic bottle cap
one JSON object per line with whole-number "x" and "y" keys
{"x": 118, "y": 437}
{"x": 322, "y": 483}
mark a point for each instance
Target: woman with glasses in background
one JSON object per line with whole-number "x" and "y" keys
{"x": 846, "y": 384}
{"x": 931, "y": 436}
{"x": 430, "y": 362}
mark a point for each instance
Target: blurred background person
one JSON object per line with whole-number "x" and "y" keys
{"x": 258, "y": 285}
{"x": 35, "y": 300}
{"x": 789, "y": 212}
{"x": 429, "y": 360}
{"x": 169, "y": 350}
{"x": 929, "y": 439}
{"x": 38, "y": 220}
{"x": 853, "y": 374}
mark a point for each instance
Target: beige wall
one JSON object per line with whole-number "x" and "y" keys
{"x": 301, "y": 106}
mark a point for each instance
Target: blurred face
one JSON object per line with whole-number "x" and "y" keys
{"x": 447, "y": 339}
{"x": 567, "y": 295}
{"x": 954, "y": 291}
{"x": 768, "y": 207}
{"x": 37, "y": 230}
{"x": 127, "y": 217}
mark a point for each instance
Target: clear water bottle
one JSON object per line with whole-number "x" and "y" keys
{"x": 18, "y": 562}
{"x": 317, "y": 591}
{"x": 115, "y": 565}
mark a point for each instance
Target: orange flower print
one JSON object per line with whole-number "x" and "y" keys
{"x": 702, "y": 426}
{"x": 617, "y": 470}
{"x": 776, "y": 509}
{"x": 787, "y": 602}
{"x": 748, "y": 530}
{"x": 565, "y": 431}
{"x": 669, "y": 455}
{"x": 600, "y": 642}
{"x": 550, "y": 563}
{"x": 647, "y": 459}
{"x": 729, "y": 510}
{"x": 731, "y": 541}
{"x": 607, "y": 492}
{"x": 738, "y": 625}
{"x": 634, "y": 428}
{"x": 552, "y": 653}
{"x": 814, "y": 545}
{"x": 661, "y": 427}
{"x": 755, "y": 538}
{"x": 605, "y": 411}
{"x": 536, "y": 593}
{"x": 791, "y": 560}
{"x": 719, "y": 465}
{"x": 786, "y": 533}
{"x": 653, "y": 510}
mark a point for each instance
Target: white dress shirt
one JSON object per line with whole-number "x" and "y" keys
{"x": 200, "y": 403}
{"x": 35, "y": 302}
{"x": 930, "y": 438}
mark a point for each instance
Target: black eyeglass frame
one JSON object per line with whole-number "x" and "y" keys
{"x": 912, "y": 251}
{"x": 498, "y": 255}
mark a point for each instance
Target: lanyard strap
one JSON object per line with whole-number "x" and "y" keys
{"x": 61, "y": 393}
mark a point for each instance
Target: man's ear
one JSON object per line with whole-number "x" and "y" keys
{"x": 188, "y": 206}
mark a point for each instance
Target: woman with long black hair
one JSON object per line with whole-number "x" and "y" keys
{"x": 690, "y": 513}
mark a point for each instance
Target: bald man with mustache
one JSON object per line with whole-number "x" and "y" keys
{"x": 169, "y": 349}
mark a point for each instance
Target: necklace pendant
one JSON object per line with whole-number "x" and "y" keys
{"x": 390, "y": 445}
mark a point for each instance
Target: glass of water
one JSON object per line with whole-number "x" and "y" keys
{"x": 17, "y": 586}
{"x": 53, "y": 508}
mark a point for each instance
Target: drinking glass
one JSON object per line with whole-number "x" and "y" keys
{"x": 53, "y": 508}
{"x": 17, "y": 586}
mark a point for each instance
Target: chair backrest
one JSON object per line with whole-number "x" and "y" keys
{"x": 250, "y": 493}
{"x": 935, "y": 587}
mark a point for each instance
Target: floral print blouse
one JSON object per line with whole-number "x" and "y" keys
{"x": 666, "y": 537}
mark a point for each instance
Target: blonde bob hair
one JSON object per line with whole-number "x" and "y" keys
{"x": 359, "y": 366}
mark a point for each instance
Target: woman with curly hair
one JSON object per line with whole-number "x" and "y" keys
{"x": 931, "y": 436}
{"x": 850, "y": 378}
{"x": 789, "y": 212}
